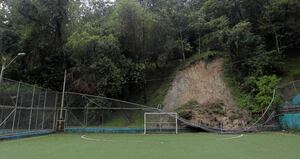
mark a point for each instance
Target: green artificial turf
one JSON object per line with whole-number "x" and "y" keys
{"x": 138, "y": 146}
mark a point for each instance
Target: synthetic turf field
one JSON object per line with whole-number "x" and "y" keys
{"x": 138, "y": 146}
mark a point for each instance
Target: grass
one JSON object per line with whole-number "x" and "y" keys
{"x": 137, "y": 146}
{"x": 136, "y": 121}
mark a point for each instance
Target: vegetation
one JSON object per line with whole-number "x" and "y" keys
{"x": 113, "y": 48}
{"x": 291, "y": 67}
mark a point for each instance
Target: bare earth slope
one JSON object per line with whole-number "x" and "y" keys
{"x": 203, "y": 82}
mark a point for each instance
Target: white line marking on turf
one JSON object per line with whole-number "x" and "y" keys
{"x": 288, "y": 134}
{"x": 92, "y": 139}
{"x": 106, "y": 140}
{"x": 84, "y": 137}
{"x": 230, "y": 138}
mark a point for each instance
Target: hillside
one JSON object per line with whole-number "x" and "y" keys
{"x": 199, "y": 92}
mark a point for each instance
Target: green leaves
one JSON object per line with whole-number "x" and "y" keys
{"x": 9, "y": 41}
{"x": 258, "y": 93}
{"x": 266, "y": 86}
{"x": 108, "y": 76}
{"x": 132, "y": 36}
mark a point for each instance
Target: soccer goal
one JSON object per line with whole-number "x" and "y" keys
{"x": 160, "y": 122}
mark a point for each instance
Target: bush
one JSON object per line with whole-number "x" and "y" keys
{"x": 209, "y": 55}
{"x": 265, "y": 86}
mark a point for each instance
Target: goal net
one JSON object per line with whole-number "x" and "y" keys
{"x": 162, "y": 122}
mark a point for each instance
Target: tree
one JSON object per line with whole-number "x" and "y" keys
{"x": 279, "y": 24}
{"x": 130, "y": 22}
{"x": 108, "y": 76}
{"x": 40, "y": 26}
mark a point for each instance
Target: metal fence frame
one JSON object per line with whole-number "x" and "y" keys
{"x": 288, "y": 91}
{"x": 26, "y": 108}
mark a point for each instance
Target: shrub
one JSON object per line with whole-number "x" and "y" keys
{"x": 265, "y": 86}
{"x": 209, "y": 55}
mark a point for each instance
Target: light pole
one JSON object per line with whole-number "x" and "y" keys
{"x": 4, "y": 66}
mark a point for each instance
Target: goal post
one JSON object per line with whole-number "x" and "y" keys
{"x": 160, "y": 122}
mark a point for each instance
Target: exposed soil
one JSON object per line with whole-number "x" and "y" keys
{"x": 203, "y": 83}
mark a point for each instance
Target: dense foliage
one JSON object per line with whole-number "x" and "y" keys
{"x": 108, "y": 47}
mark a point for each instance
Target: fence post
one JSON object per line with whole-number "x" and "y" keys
{"x": 86, "y": 116}
{"x": 55, "y": 111}
{"x": 145, "y": 121}
{"x": 61, "y": 121}
{"x": 32, "y": 102}
{"x": 176, "y": 123}
{"x": 20, "y": 110}
{"x": 19, "y": 116}
{"x": 37, "y": 110}
{"x": 296, "y": 91}
{"x": 1, "y": 116}
{"x": 0, "y": 99}
{"x": 66, "y": 118}
{"x": 102, "y": 119}
{"x": 45, "y": 100}
{"x": 16, "y": 105}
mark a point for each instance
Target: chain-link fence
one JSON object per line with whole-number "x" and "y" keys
{"x": 289, "y": 91}
{"x": 290, "y": 106}
{"x": 26, "y": 108}
{"x": 160, "y": 123}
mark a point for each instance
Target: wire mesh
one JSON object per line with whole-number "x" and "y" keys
{"x": 290, "y": 107}
{"x": 160, "y": 123}
{"x": 25, "y": 107}
{"x": 94, "y": 111}
{"x": 288, "y": 92}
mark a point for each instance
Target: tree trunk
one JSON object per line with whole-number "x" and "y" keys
{"x": 145, "y": 91}
{"x": 199, "y": 47}
{"x": 183, "y": 55}
{"x": 277, "y": 42}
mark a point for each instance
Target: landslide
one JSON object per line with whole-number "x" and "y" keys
{"x": 199, "y": 93}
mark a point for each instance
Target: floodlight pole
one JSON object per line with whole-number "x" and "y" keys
{"x": 4, "y": 66}
{"x": 60, "y": 124}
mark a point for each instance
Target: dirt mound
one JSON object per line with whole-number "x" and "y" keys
{"x": 203, "y": 83}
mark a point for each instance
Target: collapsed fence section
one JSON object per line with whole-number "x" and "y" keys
{"x": 288, "y": 92}
{"x": 26, "y": 108}
{"x": 290, "y": 105}
{"x": 88, "y": 111}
